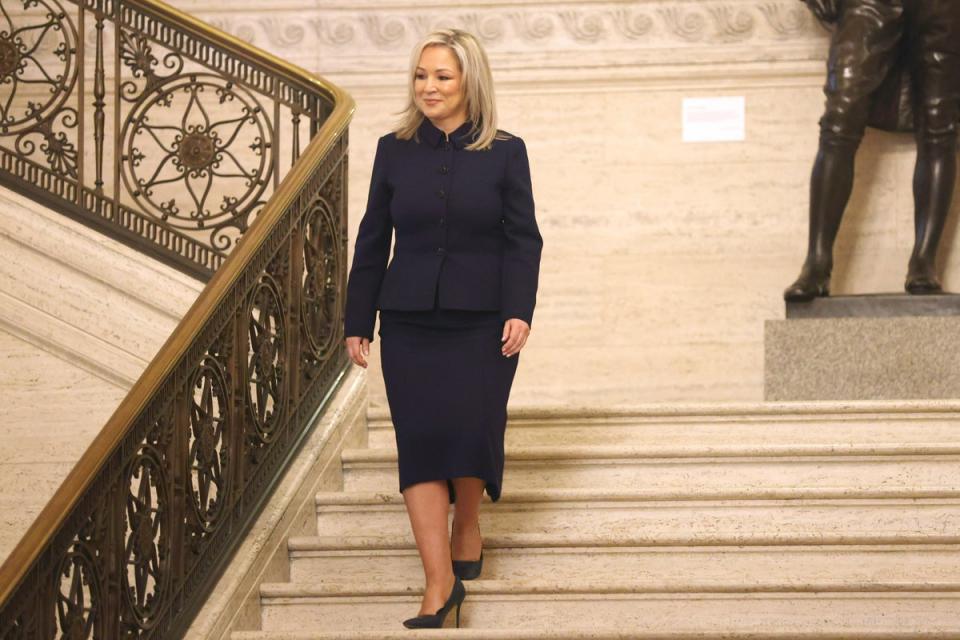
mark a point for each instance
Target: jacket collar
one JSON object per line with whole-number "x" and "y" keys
{"x": 434, "y": 136}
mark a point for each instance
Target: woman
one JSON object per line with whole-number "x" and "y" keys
{"x": 456, "y": 302}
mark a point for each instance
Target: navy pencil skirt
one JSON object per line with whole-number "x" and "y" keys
{"x": 447, "y": 388}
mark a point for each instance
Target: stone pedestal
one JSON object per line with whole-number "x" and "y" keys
{"x": 890, "y": 347}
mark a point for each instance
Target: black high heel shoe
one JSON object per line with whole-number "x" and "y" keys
{"x": 467, "y": 569}
{"x": 435, "y": 620}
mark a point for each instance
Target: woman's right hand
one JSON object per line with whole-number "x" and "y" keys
{"x": 357, "y": 348}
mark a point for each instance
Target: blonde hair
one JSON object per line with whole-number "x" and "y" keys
{"x": 476, "y": 83}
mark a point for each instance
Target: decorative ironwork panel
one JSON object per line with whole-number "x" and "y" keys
{"x": 173, "y": 144}
{"x": 181, "y": 149}
{"x": 38, "y": 65}
{"x": 148, "y": 510}
{"x": 81, "y": 585}
{"x": 323, "y": 275}
{"x": 210, "y": 457}
{"x": 266, "y": 392}
{"x": 197, "y": 180}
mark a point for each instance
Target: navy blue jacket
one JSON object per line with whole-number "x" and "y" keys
{"x": 465, "y": 229}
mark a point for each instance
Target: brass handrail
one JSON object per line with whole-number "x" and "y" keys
{"x": 263, "y": 262}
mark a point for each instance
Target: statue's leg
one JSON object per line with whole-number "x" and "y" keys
{"x": 831, "y": 182}
{"x": 862, "y": 52}
{"x": 936, "y": 53}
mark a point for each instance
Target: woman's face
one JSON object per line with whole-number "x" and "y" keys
{"x": 437, "y": 86}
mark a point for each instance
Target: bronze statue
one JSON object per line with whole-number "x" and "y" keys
{"x": 883, "y": 52}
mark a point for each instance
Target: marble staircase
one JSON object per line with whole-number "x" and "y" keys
{"x": 726, "y": 521}
{"x": 80, "y": 317}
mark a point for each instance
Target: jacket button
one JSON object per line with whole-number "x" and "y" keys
{"x": 442, "y": 220}
{"x": 442, "y": 194}
{"x": 441, "y": 250}
{"x": 444, "y": 169}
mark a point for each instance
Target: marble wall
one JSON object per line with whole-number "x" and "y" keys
{"x": 662, "y": 259}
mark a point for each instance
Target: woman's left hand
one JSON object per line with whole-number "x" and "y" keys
{"x": 515, "y": 332}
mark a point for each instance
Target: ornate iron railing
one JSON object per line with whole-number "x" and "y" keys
{"x": 172, "y": 140}
{"x": 137, "y": 533}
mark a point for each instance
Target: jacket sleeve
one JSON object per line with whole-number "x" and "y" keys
{"x": 521, "y": 256}
{"x": 370, "y": 252}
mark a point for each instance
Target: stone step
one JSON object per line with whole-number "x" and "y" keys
{"x": 756, "y": 516}
{"x": 794, "y": 423}
{"x": 774, "y": 632}
{"x": 642, "y": 604}
{"x": 695, "y": 469}
{"x": 324, "y": 560}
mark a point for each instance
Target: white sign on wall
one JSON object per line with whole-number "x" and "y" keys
{"x": 714, "y": 119}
